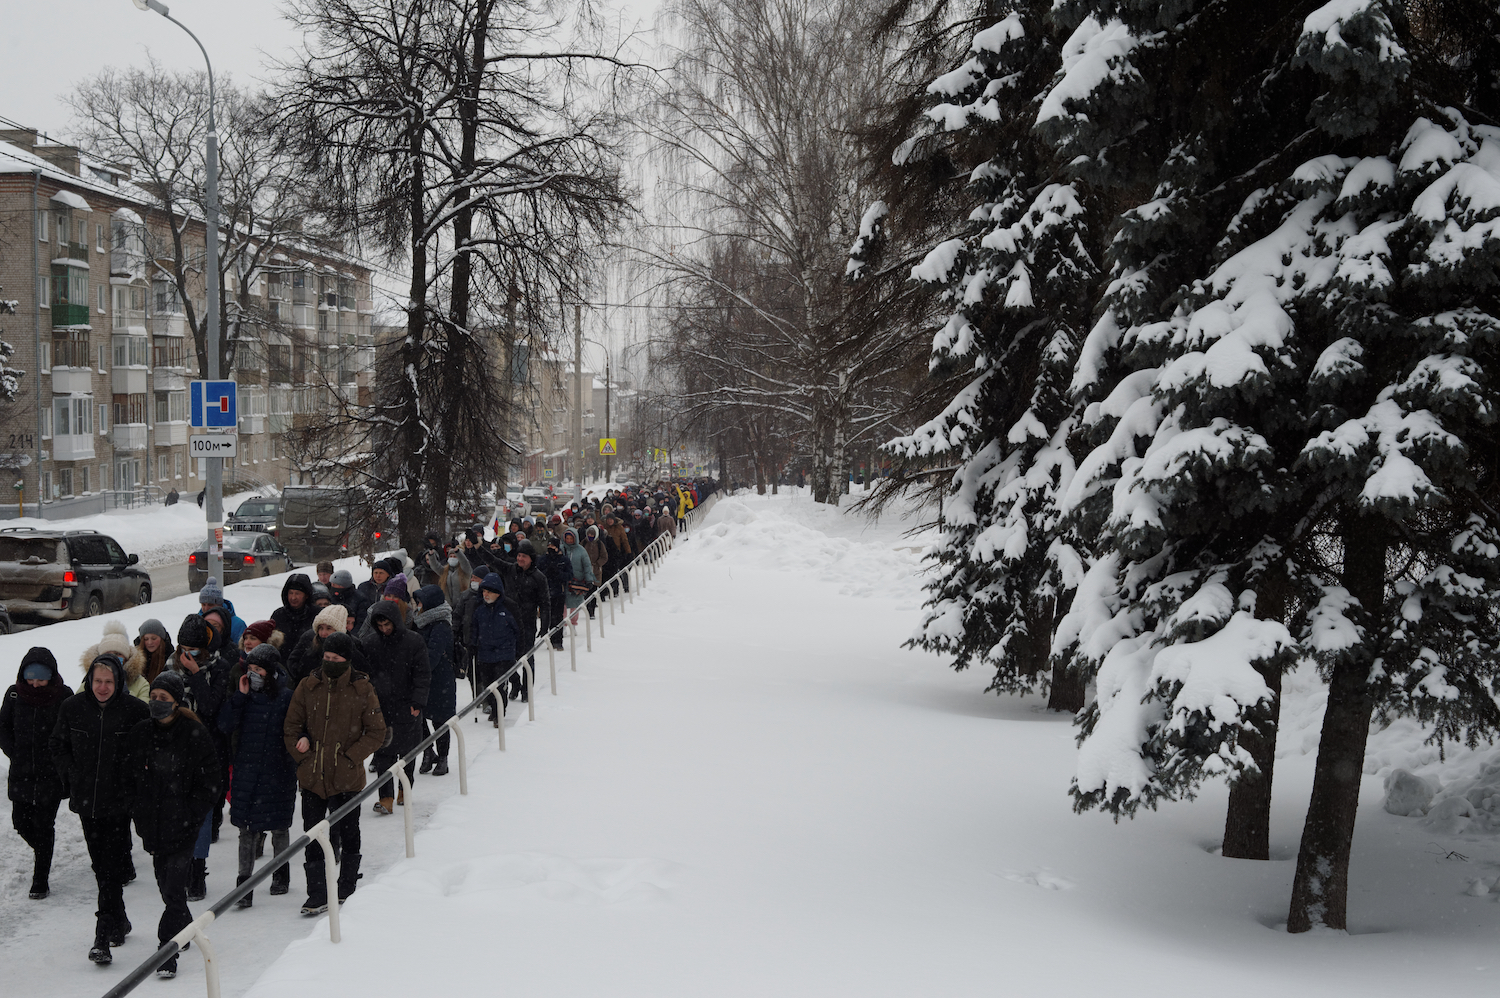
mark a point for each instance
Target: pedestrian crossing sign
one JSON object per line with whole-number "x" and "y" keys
{"x": 607, "y": 446}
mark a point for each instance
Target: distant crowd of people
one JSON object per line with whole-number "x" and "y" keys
{"x": 288, "y": 710}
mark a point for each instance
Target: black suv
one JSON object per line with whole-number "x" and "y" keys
{"x": 48, "y": 575}
{"x": 256, "y": 513}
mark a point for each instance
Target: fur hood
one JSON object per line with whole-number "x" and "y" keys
{"x": 115, "y": 640}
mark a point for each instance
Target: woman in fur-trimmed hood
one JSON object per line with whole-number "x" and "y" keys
{"x": 116, "y": 641}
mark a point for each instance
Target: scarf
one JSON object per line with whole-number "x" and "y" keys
{"x": 441, "y": 613}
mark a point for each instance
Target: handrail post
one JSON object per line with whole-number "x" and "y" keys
{"x": 599, "y": 609}
{"x": 573, "y": 642}
{"x": 530, "y": 696}
{"x": 463, "y": 756}
{"x": 500, "y": 707}
{"x": 196, "y": 931}
{"x": 632, "y": 569}
{"x": 588, "y": 629}
{"x": 319, "y": 834}
{"x": 399, "y": 771}
{"x": 612, "y": 603}
{"x": 552, "y": 664}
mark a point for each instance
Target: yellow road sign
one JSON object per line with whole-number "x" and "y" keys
{"x": 607, "y": 446}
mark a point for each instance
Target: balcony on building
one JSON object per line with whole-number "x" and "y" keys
{"x": 72, "y": 380}
{"x": 73, "y": 447}
{"x": 252, "y": 424}
{"x": 128, "y": 436}
{"x": 171, "y": 433}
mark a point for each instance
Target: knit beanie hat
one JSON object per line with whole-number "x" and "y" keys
{"x": 172, "y": 683}
{"x": 262, "y": 629}
{"x": 116, "y": 641}
{"x": 339, "y": 644}
{"x": 397, "y": 588}
{"x": 154, "y": 626}
{"x": 212, "y": 593}
{"x": 526, "y": 548}
{"x": 342, "y": 579}
{"x": 265, "y": 656}
{"x": 335, "y": 616}
{"x": 320, "y": 591}
{"x": 193, "y": 632}
{"x": 479, "y": 570}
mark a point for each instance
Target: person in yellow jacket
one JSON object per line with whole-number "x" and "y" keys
{"x": 684, "y": 503}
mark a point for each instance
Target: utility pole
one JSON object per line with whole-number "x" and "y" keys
{"x": 608, "y": 459}
{"x": 578, "y": 393}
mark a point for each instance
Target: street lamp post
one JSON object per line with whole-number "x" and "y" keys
{"x": 213, "y": 501}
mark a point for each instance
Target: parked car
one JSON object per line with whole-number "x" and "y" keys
{"x": 256, "y": 513}
{"x": 319, "y": 523}
{"x": 48, "y": 575}
{"x": 249, "y": 554}
{"x": 538, "y": 499}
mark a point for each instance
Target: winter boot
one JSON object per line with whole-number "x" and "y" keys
{"x": 119, "y": 928}
{"x": 440, "y": 768}
{"x": 317, "y": 888}
{"x": 198, "y": 886}
{"x": 248, "y": 899}
{"x": 40, "y": 874}
{"x": 99, "y": 953}
{"x": 168, "y": 970}
{"x": 384, "y": 806}
{"x": 129, "y": 875}
{"x": 281, "y": 880}
{"x": 348, "y": 876}
{"x": 429, "y": 759}
{"x": 260, "y": 845}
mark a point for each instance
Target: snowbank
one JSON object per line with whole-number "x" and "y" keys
{"x": 161, "y": 535}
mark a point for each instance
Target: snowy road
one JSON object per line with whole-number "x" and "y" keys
{"x": 751, "y": 789}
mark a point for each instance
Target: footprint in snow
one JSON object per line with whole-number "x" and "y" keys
{"x": 1044, "y": 880}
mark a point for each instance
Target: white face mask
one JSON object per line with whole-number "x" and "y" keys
{"x": 452, "y": 562}
{"x": 474, "y": 586}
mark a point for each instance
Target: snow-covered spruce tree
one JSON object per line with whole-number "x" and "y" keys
{"x": 10, "y": 378}
{"x": 1018, "y": 277}
{"x": 1186, "y": 114}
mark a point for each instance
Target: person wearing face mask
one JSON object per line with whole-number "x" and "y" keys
{"x": 558, "y": 570}
{"x": 174, "y": 777}
{"x": 308, "y": 654}
{"x": 528, "y": 587}
{"x": 402, "y": 675}
{"x": 89, "y": 750}
{"x": 463, "y": 626}
{"x": 204, "y": 663}
{"x": 450, "y": 572}
{"x": 497, "y": 632}
{"x": 27, "y": 717}
{"x": 333, "y": 725}
{"x": 432, "y": 619}
{"x": 263, "y": 793}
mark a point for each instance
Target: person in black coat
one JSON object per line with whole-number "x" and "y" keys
{"x": 526, "y": 584}
{"x": 174, "y": 781}
{"x": 264, "y": 790}
{"x": 497, "y": 634}
{"x": 372, "y": 589}
{"x": 204, "y": 658}
{"x": 433, "y": 619}
{"x": 296, "y": 612}
{"x": 463, "y": 625}
{"x": 89, "y": 749}
{"x": 557, "y": 568}
{"x": 402, "y": 677}
{"x": 27, "y": 717}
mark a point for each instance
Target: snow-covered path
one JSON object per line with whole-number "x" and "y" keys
{"x": 750, "y": 788}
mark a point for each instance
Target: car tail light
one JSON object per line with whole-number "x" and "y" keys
{"x": 249, "y": 559}
{"x": 70, "y": 579}
{"x": 192, "y": 559}
{"x": 377, "y": 535}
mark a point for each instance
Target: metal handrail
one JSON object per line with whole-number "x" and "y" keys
{"x": 196, "y": 930}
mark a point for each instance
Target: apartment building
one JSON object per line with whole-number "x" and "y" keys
{"x": 102, "y": 417}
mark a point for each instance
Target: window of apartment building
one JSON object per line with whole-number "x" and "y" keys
{"x": 164, "y": 298}
{"x": 276, "y": 447}
{"x": 131, "y": 351}
{"x": 45, "y": 360}
{"x": 130, "y": 304}
{"x": 103, "y": 298}
{"x": 99, "y": 243}
{"x": 41, "y": 226}
{"x": 167, "y": 351}
{"x": 73, "y": 416}
{"x": 130, "y": 408}
{"x": 103, "y": 421}
{"x": 171, "y": 407}
{"x": 81, "y": 232}
{"x": 46, "y": 423}
{"x": 47, "y": 485}
{"x": 103, "y": 477}
{"x": 279, "y": 360}
{"x": 163, "y": 465}
{"x": 70, "y": 348}
{"x": 44, "y": 290}
{"x": 64, "y": 483}
{"x": 83, "y": 480}
{"x": 176, "y": 465}
{"x": 103, "y": 358}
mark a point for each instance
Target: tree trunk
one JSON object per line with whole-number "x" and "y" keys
{"x": 1247, "y": 823}
{"x": 1067, "y": 690}
{"x": 1320, "y": 889}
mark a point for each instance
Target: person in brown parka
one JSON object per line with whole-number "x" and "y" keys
{"x": 332, "y": 726}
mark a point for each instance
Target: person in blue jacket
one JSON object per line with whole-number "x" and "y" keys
{"x": 558, "y": 568}
{"x": 211, "y": 601}
{"x": 432, "y": 618}
{"x": 496, "y": 629}
{"x": 263, "y": 788}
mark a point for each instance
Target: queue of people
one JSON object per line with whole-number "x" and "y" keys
{"x": 281, "y": 715}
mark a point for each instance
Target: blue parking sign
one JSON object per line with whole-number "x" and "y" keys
{"x": 213, "y": 404}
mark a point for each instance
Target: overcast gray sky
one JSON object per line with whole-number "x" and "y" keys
{"x": 48, "y": 46}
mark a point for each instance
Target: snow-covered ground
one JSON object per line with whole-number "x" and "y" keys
{"x": 750, "y": 788}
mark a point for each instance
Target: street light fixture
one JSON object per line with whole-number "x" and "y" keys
{"x": 213, "y": 501}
